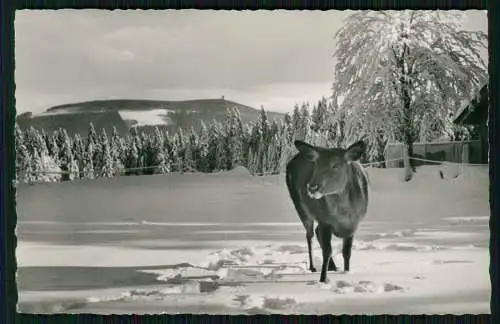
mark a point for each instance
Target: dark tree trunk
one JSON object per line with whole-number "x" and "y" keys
{"x": 409, "y": 152}
{"x": 341, "y": 138}
{"x": 381, "y": 144}
{"x": 407, "y": 123}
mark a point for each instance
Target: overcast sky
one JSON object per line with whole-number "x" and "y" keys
{"x": 270, "y": 58}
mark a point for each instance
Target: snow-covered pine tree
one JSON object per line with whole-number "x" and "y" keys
{"x": 175, "y": 163}
{"x": 234, "y": 133}
{"x": 88, "y": 161}
{"x": 18, "y": 134}
{"x": 194, "y": 140}
{"x": 164, "y": 166}
{"x": 106, "y": 160}
{"x": 246, "y": 142}
{"x": 60, "y": 136}
{"x": 203, "y": 147}
{"x": 115, "y": 145}
{"x": 23, "y": 164}
{"x": 398, "y": 69}
{"x": 79, "y": 153}
{"x": 181, "y": 142}
{"x": 212, "y": 144}
{"x": 253, "y": 148}
{"x": 91, "y": 135}
{"x": 45, "y": 138}
{"x": 146, "y": 152}
{"x": 288, "y": 124}
{"x": 21, "y": 153}
{"x": 167, "y": 145}
{"x": 221, "y": 155}
{"x": 41, "y": 159}
{"x": 305, "y": 127}
{"x": 297, "y": 123}
{"x": 335, "y": 125}
{"x": 96, "y": 141}
{"x": 30, "y": 139}
{"x": 147, "y": 155}
{"x": 99, "y": 153}
{"x": 53, "y": 149}
{"x": 74, "y": 170}
{"x": 140, "y": 145}
{"x": 36, "y": 168}
{"x": 132, "y": 158}
{"x": 262, "y": 137}
{"x": 319, "y": 116}
{"x": 287, "y": 149}
{"x": 118, "y": 152}
{"x": 51, "y": 170}
{"x": 66, "y": 157}
{"x": 156, "y": 147}
{"x": 188, "y": 164}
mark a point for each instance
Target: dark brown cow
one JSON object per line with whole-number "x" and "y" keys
{"x": 330, "y": 187}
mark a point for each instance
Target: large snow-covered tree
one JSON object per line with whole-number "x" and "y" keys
{"x": 399, "y": 72}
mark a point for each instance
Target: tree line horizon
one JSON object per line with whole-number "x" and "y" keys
{"x": 263, "y": 146}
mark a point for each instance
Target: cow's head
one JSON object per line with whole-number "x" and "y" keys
{"x": 331, "y": 167}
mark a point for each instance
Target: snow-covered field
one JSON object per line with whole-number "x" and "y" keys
{"x": 230, "y": 243}
{"x": 147, "y": 117}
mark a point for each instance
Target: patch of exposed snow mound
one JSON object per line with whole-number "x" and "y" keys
{"x": 225, "y": 257}
{"x": 187, "y": 287}
{"x": 387, "y": 246}
{"x": 397, "y": 234}
{"x": 467, "y": 220}
{"x": 147, "y": 117}
{"x": 361, "y": 286}
{"x": 277, "y": 303}
{"x": 238, "y": 170}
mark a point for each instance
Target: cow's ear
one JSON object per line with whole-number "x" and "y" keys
{"x": 355, "y": 151}
{"x": 308, "y": 150}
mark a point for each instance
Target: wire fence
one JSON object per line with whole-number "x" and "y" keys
{"x": 155, "y": 167}
{"x": 448, "y": 162}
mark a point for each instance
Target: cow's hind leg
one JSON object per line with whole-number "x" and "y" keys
{"x": 346, "y": 252}
{"x": 309, "y": 226}
{"x": 331, "y": 264}
{"x": 325, "y": 238}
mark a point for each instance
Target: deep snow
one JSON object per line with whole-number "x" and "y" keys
{"x": 232, "y": 243}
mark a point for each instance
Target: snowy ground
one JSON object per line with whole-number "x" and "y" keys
{"x": 231, "y": 243}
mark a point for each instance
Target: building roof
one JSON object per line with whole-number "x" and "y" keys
{"x": 471, "y": 111}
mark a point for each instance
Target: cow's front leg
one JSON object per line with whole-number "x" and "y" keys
{"x": 309, "y": 235}
{"x": 331, "y": 264}
{"x": 325, "y": 238}
{"x": 346, "y": 252}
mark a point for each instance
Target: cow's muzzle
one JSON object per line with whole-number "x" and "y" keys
{"x": 313, "y": 190}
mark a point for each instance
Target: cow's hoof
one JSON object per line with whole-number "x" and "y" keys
{"x": 312, "y": 269}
